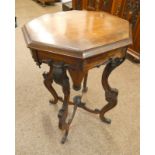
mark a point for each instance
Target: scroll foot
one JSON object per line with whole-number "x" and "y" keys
{"x": 106, "y": 120}
{"x": 53, "y": 101}
{"x": 64, "y": 138}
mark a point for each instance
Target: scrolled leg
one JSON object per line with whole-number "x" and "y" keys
{"x": 64, "y": 110}
{"x": 61, "y": 78}
{"x": 48, "y": 80}
{"x": 69, "y": 122}
{"x": 110, "y": 93}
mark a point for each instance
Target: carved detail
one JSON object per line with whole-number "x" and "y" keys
{"x": 78, "y": 4}
{"x": 48, "y": 80}
{"x": 58, "y": 74}
{"x": 106, "y": 5}
{"x": 91, "y": 3}
{"x": 35, "y": 57}
{"x": 99, "y": 5}
{"x": 110, "y": 93}
{"x": 132, "y": 11}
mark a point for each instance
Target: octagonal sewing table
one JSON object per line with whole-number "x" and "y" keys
{"x": 77, "y": 41}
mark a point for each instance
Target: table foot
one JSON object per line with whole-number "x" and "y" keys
{"x": 64, "y": 138}
{"x": 52, "y": 101}
{"x": 106, "y": 120}
{"x": 110, "y": 93}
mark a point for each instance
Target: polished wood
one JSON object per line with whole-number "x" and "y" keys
{"x": 48, "y": 80}
{"x": 110, "y": 93}
{"x": 92, "y": 5}
{"x": 85, "y": 88}
{"x": 131, "y": 11}
{"x": 93, "y": 33}
{"x": 87, "y": 40}
{"x": 127, "y": 9}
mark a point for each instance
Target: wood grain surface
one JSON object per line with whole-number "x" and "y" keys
{"x": 79, "y": 34}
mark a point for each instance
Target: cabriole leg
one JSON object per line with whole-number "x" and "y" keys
{"x": 110, "y": 93}
{"x": 48, "y": 80}
{"x": 61, "y": 78}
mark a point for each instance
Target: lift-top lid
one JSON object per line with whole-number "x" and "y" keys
{"x": 80, "y": 34}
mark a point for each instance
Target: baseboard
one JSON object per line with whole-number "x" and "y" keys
{"x": 67, "y": 6}
{"x": 133, "y": 56}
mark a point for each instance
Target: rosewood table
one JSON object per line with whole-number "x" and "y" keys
{"x": 77, "y": 41}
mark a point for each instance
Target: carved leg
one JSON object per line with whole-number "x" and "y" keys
{"x": 48, "y": 80}
{"x": 69, "y": 122}
{"x": 110, "y": 93}
{"x": 85, "y": 88}
{"x": 64, "y": 110}
{"x": 61, "y": 78}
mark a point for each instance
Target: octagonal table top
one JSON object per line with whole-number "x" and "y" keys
{"x": 79, "y": 34}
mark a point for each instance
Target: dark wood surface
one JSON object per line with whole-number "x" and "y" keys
{"x": 127, "y": 9}
{"x": 85, "y": 41}
{"x": 83, "y": 34}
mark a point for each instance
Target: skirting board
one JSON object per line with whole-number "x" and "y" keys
{"x": 133, "y": 56}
